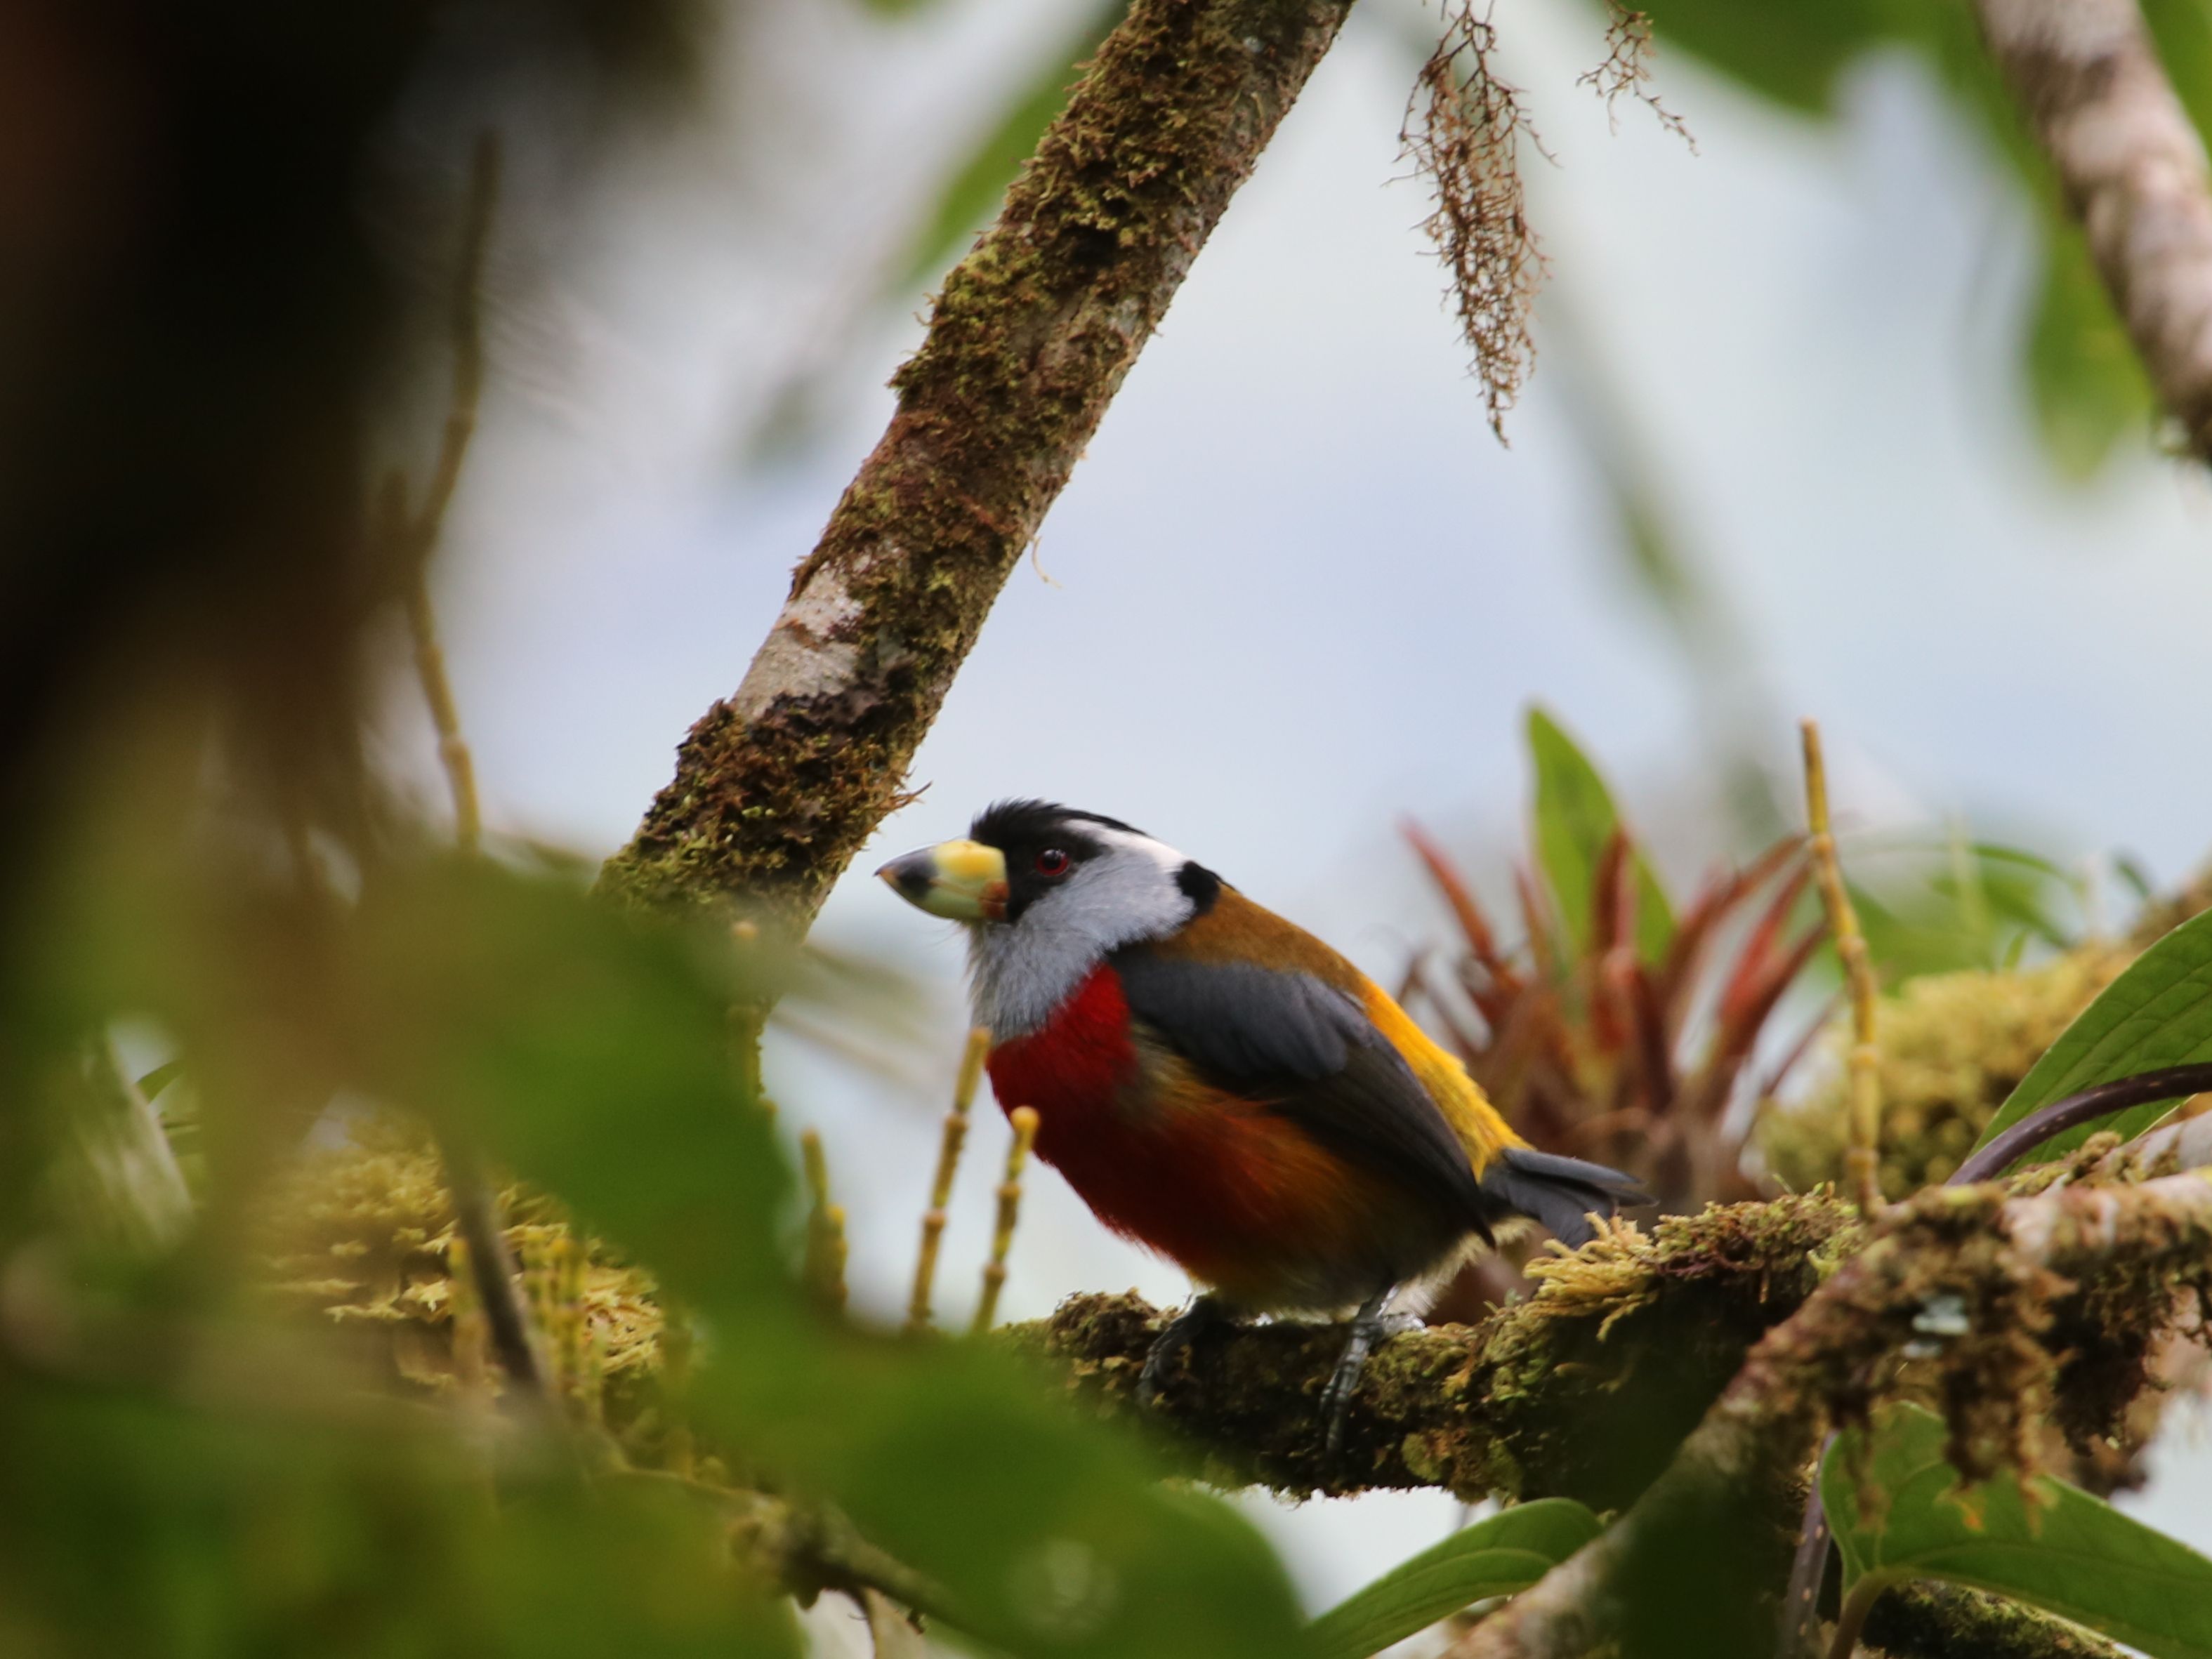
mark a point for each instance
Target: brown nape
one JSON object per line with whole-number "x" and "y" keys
{"x": 1234, "y": 929}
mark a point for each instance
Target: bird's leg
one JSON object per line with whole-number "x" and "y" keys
{"x": 1369, "y": 1325}
{"x": 1174, "y": 1341}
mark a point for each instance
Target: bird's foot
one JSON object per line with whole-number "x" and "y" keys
{"x": 1173, "y": 1342}
{"x": 1373, "y": 1323}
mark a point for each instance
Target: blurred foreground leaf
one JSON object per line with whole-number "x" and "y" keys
{"x": 1899, "y": 1512}
{"x": 134, "y": 1527}
{"x": 590, "y": 1052}
{"x": 971, "y": 195}
{"x": 2080, "y": 373}
{"x": 1508, "y": 1551}
{"x": 2157, "y": 1014}
{"x": 1945, "y": 907}
{"x": 2183, "y": 31}
{"x": 1791, "y": 51}
{"x": 2089, "y": 385}
{"x": 591, "y": 1055}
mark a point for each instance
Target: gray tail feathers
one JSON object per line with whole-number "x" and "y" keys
{"x": 1562, "y": 1193}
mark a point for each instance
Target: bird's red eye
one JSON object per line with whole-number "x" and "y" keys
{"x": 1052, "y": 862}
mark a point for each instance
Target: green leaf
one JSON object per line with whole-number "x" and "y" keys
{"x": 1941, "y": 906}
{"x": 1053, "y": 1535}
{"x": 972, "y": 194}
{"x": 2085, "y": 385}
{"x": 2134, "y": 878}
{"x": 590, "y": 1053}
{"x": 2056, "y": 1547}
{"x": 1789, "y": 51}
{"x": 1575, "y": 820}
{"x": 1509, "y": 1551}
{"x": 151, "y": 1084}
{"x": 2182, "y": 31}
{"x": 2089, "y": 385}
{"x": 2084, "y": 382}
{"x": 134, "y": 1525}
{"x": 2157, "y": 1014}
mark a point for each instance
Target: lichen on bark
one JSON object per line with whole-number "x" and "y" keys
{"x": 777, "y": 785}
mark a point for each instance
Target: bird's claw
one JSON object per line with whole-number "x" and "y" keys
{"x": 1171, "y": 1344}
{"x": 1373, "y": 1323}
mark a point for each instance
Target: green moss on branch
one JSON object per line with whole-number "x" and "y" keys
{"x": 776, "y": 787}
{"x": 1937, "y": 1621}
{"x": 1994, "y": 1265}
{"x": 1583, "y": 1389}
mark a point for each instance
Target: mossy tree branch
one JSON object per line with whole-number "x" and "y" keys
{"x": 1684, "y": 1378}
{"x": 2003, "y": 1259}
{"x": 2131, "y": 165}
{"x": 1530, "y": 1402}
{"x": 1940, "y": 1621}
{"x": 777, "y": 785}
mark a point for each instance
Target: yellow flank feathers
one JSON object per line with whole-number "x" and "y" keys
{"x": 1237, "y": 930}
{"x": 1457, "y": 1096}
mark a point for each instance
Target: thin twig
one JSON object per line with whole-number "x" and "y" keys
{"x": 421, "y": 534}
{"x": 1024, "y": 1119}
{"x": 466, "y": 1319}
{"x": 476, "y": 1204}
{"x": 825, "y": 1224}
{"x": 1862, "y": 1161}
{"x": 948, "y": 1162}
{"x": 437, "y": 691}
{"x": 475, "y": 1211}
{"x": 467, "y": 325}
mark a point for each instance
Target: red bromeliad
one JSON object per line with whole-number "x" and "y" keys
{"x": 1606, "y": 1054}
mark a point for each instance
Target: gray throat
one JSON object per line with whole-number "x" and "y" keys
{"x": 1020, "y": 975}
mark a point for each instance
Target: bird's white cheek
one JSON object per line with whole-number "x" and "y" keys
{"x": 1020, "y": 974}
{"x": 1022, "y": 971}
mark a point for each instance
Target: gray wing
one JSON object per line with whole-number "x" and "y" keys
{"x": 1307, "y": 1050}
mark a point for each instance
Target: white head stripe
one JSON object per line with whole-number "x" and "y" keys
{"x": 1022, "y": 972}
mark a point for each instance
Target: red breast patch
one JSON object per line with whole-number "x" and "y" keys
{"x": 1071, "y": 1067}
{"x": 1231, "y": 1188}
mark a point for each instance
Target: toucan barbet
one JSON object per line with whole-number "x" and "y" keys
{"x": 1219, "y": 1086}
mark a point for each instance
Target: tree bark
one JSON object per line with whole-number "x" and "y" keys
{"x": 778, "y": 784}
{"x": 2132, "y": 168}
{"x": 1999, "y": 1258}
{"x": 1528, "y": 1402}
{"x": 1591, "y": 1389}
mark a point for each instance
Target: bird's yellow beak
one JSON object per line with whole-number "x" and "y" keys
{"x": 963, "y": 880}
